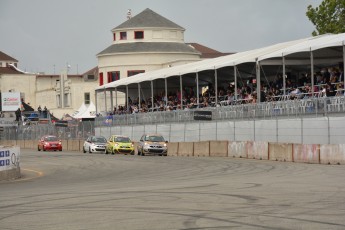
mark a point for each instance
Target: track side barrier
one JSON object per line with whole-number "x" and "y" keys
{"x": 306, "y": 153}
{"x": 202, "y": 149}
{"x": 9, "y": 162}
{"x": 186, "y": 149}
{"x": 257, "y": 150}
{"x": 237, "y": 149}
{"x": 280, "y": 152}
{"x": 73, "y": 145}
{"x": 332, "y": 154}
{"x": 173, "y": 149}
{"x": 218, "y": 148}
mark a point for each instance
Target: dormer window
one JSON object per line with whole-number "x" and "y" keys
{"x": 123, "y": 35}
{"x": 138, "y": 34}
{"x": 114, "y": 36}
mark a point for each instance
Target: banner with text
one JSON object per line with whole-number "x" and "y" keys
{"x": 9, "y": 158}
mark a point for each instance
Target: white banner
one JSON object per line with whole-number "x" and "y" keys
{"x": 10, "y": 101}
{"x": 9, "y": 158}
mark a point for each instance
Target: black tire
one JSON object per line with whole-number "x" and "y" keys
{"x": 90, "y": 150}
{"x": 139, "y": 153}
{"x": 44, "y": 149}
{"x": 84, "y": 150}
{"x": 60, "y": 150}
{"x": 113, "y": 152}
{"x": 38, "y": 148}
{"x": 106, "y": 152}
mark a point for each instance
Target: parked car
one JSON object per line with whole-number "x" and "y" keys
{"x": 94, "y": 144}
{"x": 118, "y": 144}
{"x": 49, "y": 142}
{"x": 152, "y": 144}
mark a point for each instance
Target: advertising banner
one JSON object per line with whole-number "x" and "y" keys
{"x": 10, "y": 101}
{"x": 9, "y": 158}
{"x": 203, "y": 115}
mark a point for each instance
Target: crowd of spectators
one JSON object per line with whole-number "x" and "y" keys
{"x": 327, "y": 82}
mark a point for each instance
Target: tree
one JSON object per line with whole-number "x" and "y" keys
{"x": 329, "y": 17}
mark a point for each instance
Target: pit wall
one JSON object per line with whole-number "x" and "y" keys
{"x": 288, "y": 152}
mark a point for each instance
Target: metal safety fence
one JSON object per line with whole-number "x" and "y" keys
{"x": 267, "y": 110}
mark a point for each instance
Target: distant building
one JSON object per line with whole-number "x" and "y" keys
{"x": 143, "y": 43}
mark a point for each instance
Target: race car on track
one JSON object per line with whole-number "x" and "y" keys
{"x": 118, "y": 144}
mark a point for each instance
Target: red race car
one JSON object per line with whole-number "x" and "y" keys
{"x": 49, "y": 142}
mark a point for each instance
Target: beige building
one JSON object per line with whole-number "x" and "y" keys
{"x": 143, "y": 43}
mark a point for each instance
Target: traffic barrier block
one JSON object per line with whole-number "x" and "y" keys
{"x": 21, "y": 144}
{"x": 306, "y": 153}
{"x": 202, "y": 149}
{"x": 73, "y": 145}
{"x": 237, "y": 149}
{"x": 64, "y": 144}
{"x": 280, "y": 152}
{"x": 30, "y": 144}
{"x": 257, "y": 150}
{"x": 185, "y": 149}
{"x": 332, "y": 154}
{"x": 218, "y": 148}
{"x": 173, "y": 148}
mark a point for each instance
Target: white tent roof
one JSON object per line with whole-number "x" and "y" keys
{"x": 86, "y": 111}
{"x": 273, "y": 51}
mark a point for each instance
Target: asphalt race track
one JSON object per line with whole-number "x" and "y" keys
{"x": 71, "y": 190}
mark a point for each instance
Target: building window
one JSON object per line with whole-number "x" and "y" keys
{"x": 113, "y": 76}
{"x": 134, "y": 72}
{"x": 114, "y": 36}
{"x": 123, "y": 35}
{"x": 87, "y": 98}
{"x": 139, "y": 34}
{"x": 100, "y": 78}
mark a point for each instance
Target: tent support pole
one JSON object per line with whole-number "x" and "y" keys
{"x": 111, "y": 100}
{"x": 181, "y": 92}
{"x": 166, "y": 92}
{"x": 197, "y": 89}
{"x": 139, "y": 98}
{"x": 312, "y": 72}
{"x": 116, "y": 97}
{"x": 127, "y": 101}
{"x": 96, "y": 102}
{"x": 258, "y": 83}
{"x": 105, "y": 100}
{"x": 343, "y": 66}
{"x": 216, "y": 86}
{"x": 284, "y": 73}
{"x": 152, "y": 100}
{"x": 235, "y": 75}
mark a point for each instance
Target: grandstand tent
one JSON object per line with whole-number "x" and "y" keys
{"x": 303, "y": 54}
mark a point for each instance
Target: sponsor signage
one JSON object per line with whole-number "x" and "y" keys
{"x": 10, "y": 101}
{"x": 203, "y": 115}
{"x": 9, "y": 158}
{"x": 8, "y": 122}
{"x": 61, "y": 123}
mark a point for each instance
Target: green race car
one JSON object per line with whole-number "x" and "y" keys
{"x": 118, "y": 144}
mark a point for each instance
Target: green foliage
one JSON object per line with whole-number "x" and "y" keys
{"x": 329, "y": 17}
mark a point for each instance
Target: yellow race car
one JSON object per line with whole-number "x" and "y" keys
{"x": 118, "y": 144}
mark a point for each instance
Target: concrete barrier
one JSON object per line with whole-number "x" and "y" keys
{"x": 173, "y": 148}
{"x": 30, "y": 144}
{"x": 306, "y": 153}
{"x": 257, "y": 150}
{"x": 332, "y": 154}
{"x": 237, "y": 149}
{"x": 202, "y": 149}
{"x": 218, "y": 148}
{"x": 64, "y": 145}
{"x": 185, "y": 149}
{"x": 73, "y": 145}
{"x": 9, "y": 162}
{"x": 21, "y": 143}
{"x": 280, "y": 152}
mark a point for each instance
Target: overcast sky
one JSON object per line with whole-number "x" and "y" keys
{"x": 44, "y": 35}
